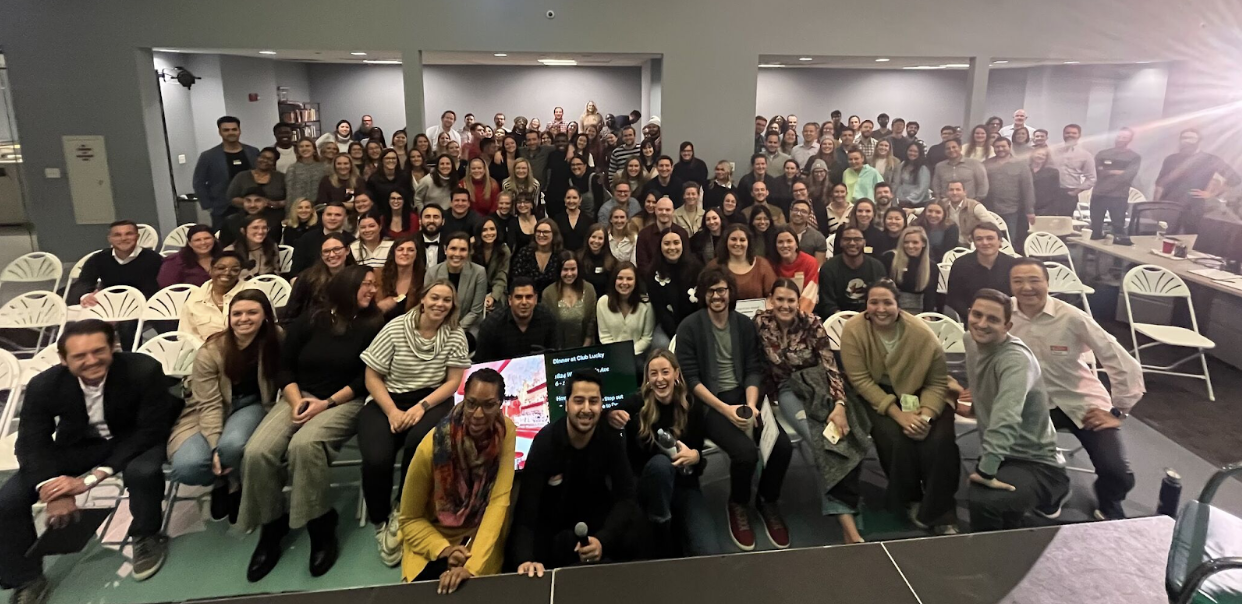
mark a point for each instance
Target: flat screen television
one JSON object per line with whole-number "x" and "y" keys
{"x": 532, "y": 401}
{"x": 1220, "y": 234}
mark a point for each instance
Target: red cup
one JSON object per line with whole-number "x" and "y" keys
{"x": 1169, "y": 245}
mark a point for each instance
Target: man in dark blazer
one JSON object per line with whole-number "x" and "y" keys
{"x": 218, "y": 165}
{"x": 96, "y": 414}
{"x": 308, "y": 248}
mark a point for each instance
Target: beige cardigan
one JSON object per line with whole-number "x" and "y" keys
{"x": 916, "y": 366}
{"x": 211, "y": 397}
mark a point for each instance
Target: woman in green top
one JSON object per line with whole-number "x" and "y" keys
{"x": 572, "y": 301}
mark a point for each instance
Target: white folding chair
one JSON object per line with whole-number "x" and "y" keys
{"x": 286, "y": 259}
{"x": 275, "y": 286}
{"x": 949, "y": 332}
{"x": 952, "y": 255}
{"x": 1000, "y": 223}
{"x": 35, "y": 267}
{"x": 942, "y": 282}
{"x": 165, "y": 305}
{"x": 76, "y": 272}
{"x": 118, "y": 304}
{"x": 1043, "y": 246}
{"x": 832, "y": 241}
{"x": 174, "y": 350}
{"x": 1062, "y": 280}
{"x": 148, "y": 237}
{"x": 1082, "y": 210}
{"x": 672, "y": 344}
{"x": 1135, "y": 196}
{"x": 39, "y": 310}
{"x": 1149, "y": 280}
{"x": 1006, "y": 247}
{"x": 176, "y": 239}
{"x": 45, "y": 359}
{"x": 834, "y": 324}
{"x": 11, "y": 381}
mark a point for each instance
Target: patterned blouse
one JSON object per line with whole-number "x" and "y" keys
{"x": 804, "y": 345}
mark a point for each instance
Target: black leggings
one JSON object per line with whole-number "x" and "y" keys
{"x": 378, "y": 445}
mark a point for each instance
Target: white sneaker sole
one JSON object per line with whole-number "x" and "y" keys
{"x": 733, "y": 538}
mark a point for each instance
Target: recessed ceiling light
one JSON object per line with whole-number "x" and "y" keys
{"x": 267, "y": 52}
{"x": 881, "y": 60}
{"x": 956, "y": 65}
{"x": 558, "y": 62}
{"x": 805, "y": 59}
{"x": 358, "y": 54}
{"x": 1070, "y": 63}
{"x": 500, "y": 54}
{"x": 925, "y": 67}
{"x": 770, "y": 65}
{"x": 382, "y": 62}
{"x": 1140, "y": 62}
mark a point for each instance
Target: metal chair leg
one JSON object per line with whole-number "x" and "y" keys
{"x": 1207, "y": 377}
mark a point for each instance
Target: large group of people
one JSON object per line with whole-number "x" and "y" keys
{"x": 412, "y": 262}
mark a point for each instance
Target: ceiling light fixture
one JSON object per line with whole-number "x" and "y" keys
{"x": 1070, "y": 63}
{"x": 882, "y": 60}
{"x": 558, "y": 62}
{"x": 805, "y": 59}
{"x": 500, "y": 54}
{"x": 955, "y": 65}
{"x": 770, "y": 65}
{"x": 925, "y": 67}
{"x": 1145, "y": 62}
{"x": 358, "y": 54}
{"x": 382, "y": 62}
{"x": 999, "y": 62}
{"x": 267, "y": 52}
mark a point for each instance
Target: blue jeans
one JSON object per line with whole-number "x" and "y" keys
{"x": 191, "y": 462}
{"x": 794, "y": 412}
{"x": 665, "y": 498}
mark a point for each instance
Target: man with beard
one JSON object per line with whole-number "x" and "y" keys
{"x": 1191, "y": 177}
{"x": 524, "y": 328}
{"x": 718, "y": 349}
{"x": 844, "y": 278}
{"x": 577, "y": 477}
{"x": 429, "y": 226}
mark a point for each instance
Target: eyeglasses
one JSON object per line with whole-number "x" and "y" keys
{"x": 854, "y": 239}
{"x": 718, "y": 291}
{"x": 334, "y": 251}
{"x": 472, "y": 405}
{"x": 543, "y": 232}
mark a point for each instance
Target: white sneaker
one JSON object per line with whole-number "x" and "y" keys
{"x": 388, "y": 538}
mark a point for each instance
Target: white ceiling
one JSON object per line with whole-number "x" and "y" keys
{"x": 838, "y": 62}
{"x": 429, "y": 57}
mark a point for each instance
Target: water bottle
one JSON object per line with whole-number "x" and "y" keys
{"x": 669, "y": 445}
{"x": 1162, "y": 227}
{"x": 1170, "y": 493}
{"x": 748, "y": 414}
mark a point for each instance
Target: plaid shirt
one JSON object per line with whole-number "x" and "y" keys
{"x": 867, "y": 146}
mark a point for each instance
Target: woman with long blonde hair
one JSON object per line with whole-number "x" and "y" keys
{"x": 914, "y": 272}
{"x": 522, "y": 180}
{"x": 668, "y": 472}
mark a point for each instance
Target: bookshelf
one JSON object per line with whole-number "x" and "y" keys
{"x": 304, "y": 115}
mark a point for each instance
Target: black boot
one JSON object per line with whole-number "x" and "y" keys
{"x": 220, "y": 499}
{"x": 324, "y": 547}
{"x": 234, "y": 505}
{"x": 267, "y": 552}
{"x": 662, "y": 544}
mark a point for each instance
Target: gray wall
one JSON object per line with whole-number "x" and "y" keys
{"x": 244, "y": 76}
{"x": 346, "y": 92}
{"x": 74, "y": 70}
{"x": 294, "y": 76}
{"x": 528, "y": 91}
{"x": 179, "y": 121}
{"x": 932, "y": 98}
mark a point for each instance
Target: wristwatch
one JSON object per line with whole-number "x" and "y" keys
{"x": 1118, "y": 413}
{"x": 331, "y": 402}
{"x": 425, "y": 406}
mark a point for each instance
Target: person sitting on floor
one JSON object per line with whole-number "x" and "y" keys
{"x": 668, "y": 477}
{"x": 1019, "y": 469}
{"x": 1063, "y": 338}
{"x": 67, "y": 444}
{"x": 233, "y": 385}
{"x": 455, "y": 504}
{"x": 896, "y": 365}
{"x": 577, "y": 475}
{"x": 718, "y": 349}
{"x": 414, "y": 366}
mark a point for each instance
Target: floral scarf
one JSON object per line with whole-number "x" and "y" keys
{"x": 464, "y": 469}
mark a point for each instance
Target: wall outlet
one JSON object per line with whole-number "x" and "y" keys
{"x": 51, "y": 172}
{"x": 181, "y": 159}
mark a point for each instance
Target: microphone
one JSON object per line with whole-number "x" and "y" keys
{"x": 580, "y": 530}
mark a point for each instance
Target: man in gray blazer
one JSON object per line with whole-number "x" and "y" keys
{"x": 468, "y": 278}
{"x": 218, "y": 165}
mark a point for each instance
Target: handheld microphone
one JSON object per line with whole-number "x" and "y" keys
{"x": 580, "y": 530}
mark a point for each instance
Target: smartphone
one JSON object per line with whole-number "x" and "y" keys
{"x": 832, "y": 433}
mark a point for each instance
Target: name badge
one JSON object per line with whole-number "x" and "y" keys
{"x": 556, "y": 481}
{"x": 237, "y": 162}
{"x": 599, "y": 269}
{"x": 1059, "y": 350}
